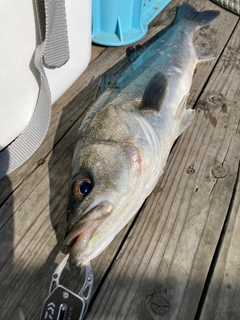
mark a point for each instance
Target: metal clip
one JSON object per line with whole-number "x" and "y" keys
{"x": 63, "y": 304}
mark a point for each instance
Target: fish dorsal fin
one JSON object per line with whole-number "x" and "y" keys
{"x": 134, "y": 52}
{"x": 155, "y": 92}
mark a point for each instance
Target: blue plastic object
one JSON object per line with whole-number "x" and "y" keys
{"x": 121, "y": 22}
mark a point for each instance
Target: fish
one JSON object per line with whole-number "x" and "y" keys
{"x": 125, "y": 138}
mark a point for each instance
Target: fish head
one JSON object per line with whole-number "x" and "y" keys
{"x": 101, "y": 195}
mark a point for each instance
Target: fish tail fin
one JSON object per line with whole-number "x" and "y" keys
{"x": 200, "y": 19}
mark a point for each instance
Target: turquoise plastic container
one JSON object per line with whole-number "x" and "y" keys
{"x": 121, "y": 22}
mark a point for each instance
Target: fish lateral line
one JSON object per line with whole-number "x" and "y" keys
{"x": 141, "y": 115}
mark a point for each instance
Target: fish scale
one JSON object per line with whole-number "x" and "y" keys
{"x": 121, "y": 149}
{"x": 125, "y": 138}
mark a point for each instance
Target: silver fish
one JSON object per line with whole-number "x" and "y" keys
{"x": 124, "y": 141}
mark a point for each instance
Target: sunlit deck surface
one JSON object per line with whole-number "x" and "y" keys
{"x": 180, "y": 257}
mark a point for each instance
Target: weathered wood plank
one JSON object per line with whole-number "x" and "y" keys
{"x": 222, "y": 299}
{"x": 96, "y": 51}
{"x": 29, "y": 245}
{"x": 161, "y": 270}
{"x": 65, "y": 114}
{"x": 28, "y": 251}
{"x": 63, "y": 119}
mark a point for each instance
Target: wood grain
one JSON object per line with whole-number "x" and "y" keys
{"x": 163, "y": 264}
{"x": 223, "y": 291}
{"x": 162, "y": 268}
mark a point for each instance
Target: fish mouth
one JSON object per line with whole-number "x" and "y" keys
{"x": 78, "y": 235}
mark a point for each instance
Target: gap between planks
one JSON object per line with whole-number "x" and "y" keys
{"x": 40, "y": 181}
{"x": 121, "y": 295}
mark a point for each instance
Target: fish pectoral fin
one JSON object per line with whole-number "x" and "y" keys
{"x": 188, "y": 115}
{"x": 204, "y": 55}
{"x": 184, "y": 115}
{"x": 182, "y": 106}
{"x": 155, "y": 92}
{"x": 105, "y": 82}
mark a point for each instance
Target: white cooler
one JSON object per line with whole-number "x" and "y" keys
{"x": 20, "y": 79}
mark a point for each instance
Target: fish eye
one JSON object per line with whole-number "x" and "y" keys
{"x": 82, "y": 187}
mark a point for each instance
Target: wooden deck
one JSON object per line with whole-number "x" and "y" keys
{"x": 180, "y": 257}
